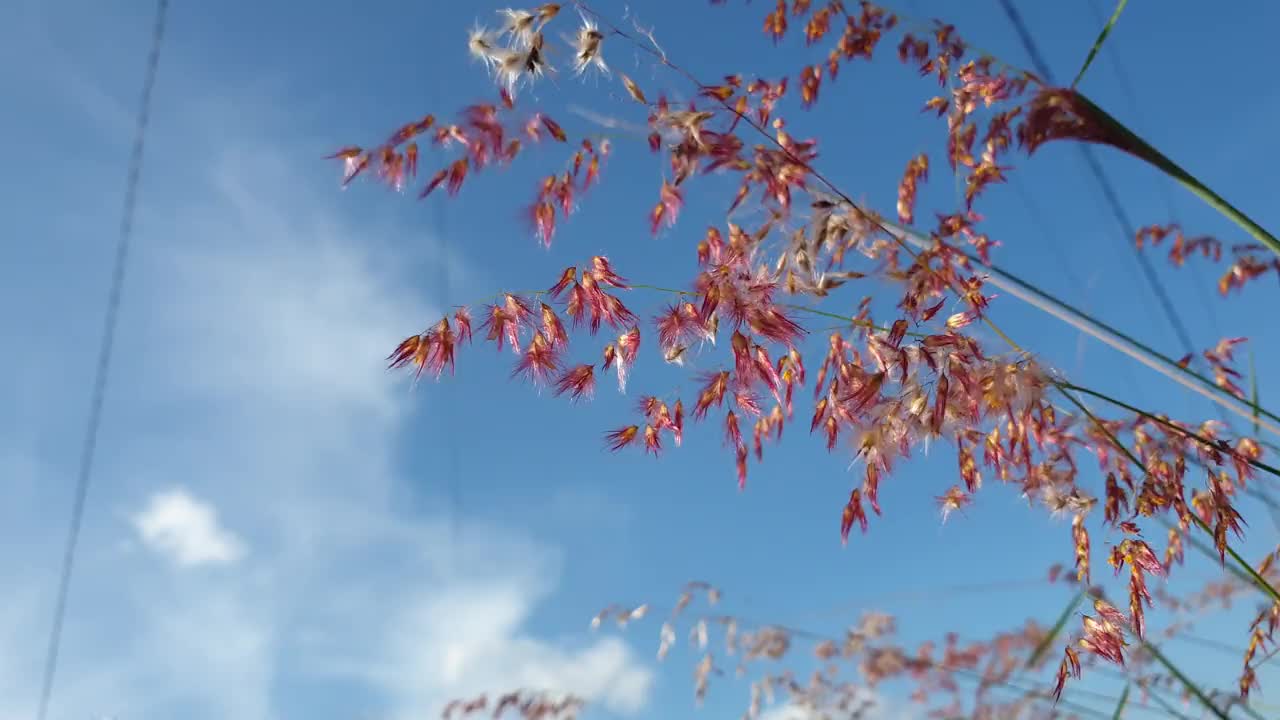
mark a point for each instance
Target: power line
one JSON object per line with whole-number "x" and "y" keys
{"x": 1104, "y": 183}
{"x": 447, "y": 391}
{"x": 1126, "y": 88}
{"x": 451, "y": 446}
{"x": 98, "y": 396}
{"x": 1131, "y": 97}
{"x": 1045, "y": 228}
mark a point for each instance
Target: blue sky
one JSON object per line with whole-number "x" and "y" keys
{"x": 278, "y": 527}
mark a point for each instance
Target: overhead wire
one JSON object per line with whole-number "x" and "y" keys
{"x": 448, "y": 446}
{"x": 1108, "y": 190}
{"x": 1045, "y": 231}
{"x": 105, "y": 351}
{"x": 453, "y": 482}
{"x": 1198, "y": 280}
{"x": 1109, "y": 193}
{"x": 1131, "y": 98}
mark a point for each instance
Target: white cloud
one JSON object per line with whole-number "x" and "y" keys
{"x": 789, "y": 711}
{"x": 871, "y": 703}
{"x": 186, "y": 530}
{"x": 469, "y": 639}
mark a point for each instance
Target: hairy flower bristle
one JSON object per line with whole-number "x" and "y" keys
{"x": 587, "y": 43}
{"x": 618, "y": 439}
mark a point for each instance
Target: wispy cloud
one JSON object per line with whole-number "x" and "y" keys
{"x": 868, "y": 705}
{"x": 186, "y": 530}
{"x": 254, "y": 427}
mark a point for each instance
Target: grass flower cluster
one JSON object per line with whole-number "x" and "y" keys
{"x": 878, "y": 388}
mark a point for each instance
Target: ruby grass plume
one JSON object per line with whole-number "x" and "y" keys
{"x": 922, "y": 372}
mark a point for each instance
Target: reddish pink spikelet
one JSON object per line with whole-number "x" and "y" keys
{"x": 819, "y": 414}
{"x": 431, "y": 351}
{"x": 567, "y": 278}
{"x": 652, "y": 440}
{"x": 540, "y": 361}
{"x": 940, "y": 405}
{"x": 731, "y": 432}
{"x": 714, "y": 387}
{"x": 434, "y": 183}
{"x": 748, "y": 403}
{"x": 576, "y": 304}
{"x": 353, "y": 167}
{"x": 411, "y": 160}
{"x": 1109, "y": 613}
{"x": 542, "y": 215}
{"x": 668, "y": 207}
{"x": 810, "y": 82}
{"x": 629, "y": 346}
{"x": 503, "y": 323}
{"x": 1141, "y": 560}
{"x": 406, "y": 351}
{"x": 1070, "y": 665}
{"x": 564, "y": 194}
{"x": 345, "y": 153}
{"x": 618, "y": 439}
{"x": 917, "y": 170}
{"x": 604, "y": 273}
{"x": 1104, "y": 639}
{"x": 553, "y": 328}
{"x": 587, "y": 296}
{"x": 795, "y": 365}
{"x": 611, "y": 310}
{"x": 553, "y": 127}
{"x": 832, "y": 427}
{"x": 457, "y": 174}
{"x": 443, "y": 340}
{"x": 517, "y": 308}
{"x": 1062, "y": 113}
{"x": 463, "y": 319}
{"x": 677, "y": 422}
{"x": 650, "y": 406}
{"x": 772, "y": 324}
{"x": 775, "y": 23}
{"x": 852, "y": 511}
{"x": 742, "y": 467}
{"x": 871, "y": 487}
{"x": 953, "y": 499}
{"x": 961, "y": 319}
{"x": 896, "y": 333}
{"x": 578, "y": 382}
{"x": 1081, "y": 537}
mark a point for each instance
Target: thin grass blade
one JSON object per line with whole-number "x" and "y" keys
{"x": 1113, "y": 337}
{"x": 1143, "y": 149}
{"x": 1245, "y": 569}
{"x": 1097, "y": 44}
{"x": 1124, "y": 696}
{"x": 1055, "y": 631}
{"x": 1186, "y": 682}
{"x": 1253, "y": 393}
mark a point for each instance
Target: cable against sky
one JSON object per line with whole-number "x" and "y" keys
{"x": 1131, "y": 97}
{"x": 98, "y": 396}
{"x": 1105, "y": 185}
